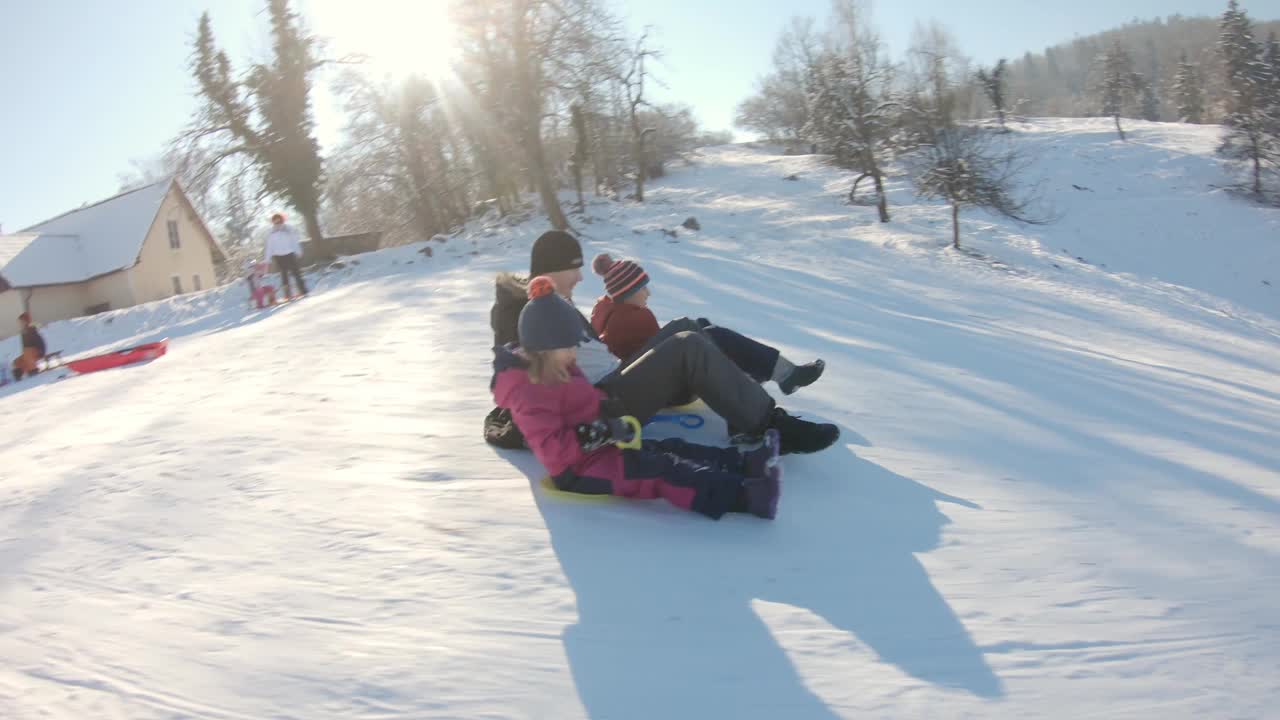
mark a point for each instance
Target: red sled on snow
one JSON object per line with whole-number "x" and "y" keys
{"x": 128, "y": 356}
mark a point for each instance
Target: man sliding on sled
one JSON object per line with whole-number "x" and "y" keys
{"x": 673, "y": 367}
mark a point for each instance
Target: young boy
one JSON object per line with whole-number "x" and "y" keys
{"x": 624, "y": 322}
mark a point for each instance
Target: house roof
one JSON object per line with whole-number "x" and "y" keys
{"x": 12, "y": 245}
{"x": 87, "y": 242}
{"x": 42, "y": 259}
{"x": 90, "y": 241}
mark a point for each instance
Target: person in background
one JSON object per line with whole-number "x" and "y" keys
{"x": 33, "y": 349}
{"x": 262, "y": 294}
{"x": 284, "y": 246}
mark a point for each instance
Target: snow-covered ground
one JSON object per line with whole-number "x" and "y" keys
{"x": 1057, "y": 493}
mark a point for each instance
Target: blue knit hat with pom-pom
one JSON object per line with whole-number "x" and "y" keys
{"x": 548, "y": 321}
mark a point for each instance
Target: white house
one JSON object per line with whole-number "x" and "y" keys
{"x": 142, "y": 245}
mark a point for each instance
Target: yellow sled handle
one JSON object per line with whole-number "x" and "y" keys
{"x": 635, "y": 442}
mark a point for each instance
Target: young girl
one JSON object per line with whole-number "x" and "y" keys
{"x": 263, "y": 294}
{"x": 561, "y": 417}
{"x": 624, "y": 322}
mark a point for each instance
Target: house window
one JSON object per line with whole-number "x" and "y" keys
{"x": 174, "y": 241}
{"x": 177, "y": 285}
{"x": 195, "y": 283}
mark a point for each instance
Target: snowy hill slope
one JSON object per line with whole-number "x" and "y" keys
{"x": 1056, "y": 494}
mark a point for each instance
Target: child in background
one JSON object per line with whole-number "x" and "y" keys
{"x": 33, "y": 349}
{"x": 624, "y": 322}
{"x": 561, "y": 416}
{"x": 263, "y": 294}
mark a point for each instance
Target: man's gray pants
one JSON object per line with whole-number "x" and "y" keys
{"x": 679, "y": 364}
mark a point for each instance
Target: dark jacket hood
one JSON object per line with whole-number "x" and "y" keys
{"x": 510, "y": 297}
{"x": 505, "y": 358}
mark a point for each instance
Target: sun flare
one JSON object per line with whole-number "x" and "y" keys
{"x": 397, "y": 38}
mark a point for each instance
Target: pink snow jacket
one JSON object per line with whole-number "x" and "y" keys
{"x": 548, "y": 416}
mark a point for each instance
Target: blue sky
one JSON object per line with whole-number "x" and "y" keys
{"x": 88, "y": 86}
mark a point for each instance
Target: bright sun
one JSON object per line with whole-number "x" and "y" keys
{"x": 398, "y": 37}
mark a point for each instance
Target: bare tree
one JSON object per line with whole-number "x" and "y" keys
{"x": 512, "y": 44}
{"x": 933, "y": 76}
{"x": 182, "y": 164}
{"x": 852, "y": 109}
{"x": 780, "y": 108}
{"x": 402, "y": 147}
{"x": 633, "y": 86}
{"x": 581, "y": 151}
{"x": 967, "y": 168}
{"x": 546, "y": 91}
{"x": 240, "y": 214}
{"x": 776, "y": 111}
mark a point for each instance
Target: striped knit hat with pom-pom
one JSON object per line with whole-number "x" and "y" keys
{"x": 548, "y": 321}
{"x": 621, "y": 278}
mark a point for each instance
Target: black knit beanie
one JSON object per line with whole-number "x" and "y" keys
{"x": 553, "y": 251}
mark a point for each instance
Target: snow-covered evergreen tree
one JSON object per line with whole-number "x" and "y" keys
{"x": 1188, "y": 92}
{"x": 993, "y": 86}
{"x": 1271, "y": 70}
{"x": 1150, "y": 99}
{"x": 1252, "y": 125}
{"x": 1242, "y": 59}
{"x": 1116, "y": 82}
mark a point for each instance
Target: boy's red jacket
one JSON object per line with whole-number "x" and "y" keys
{"x": 624, "y": 328}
